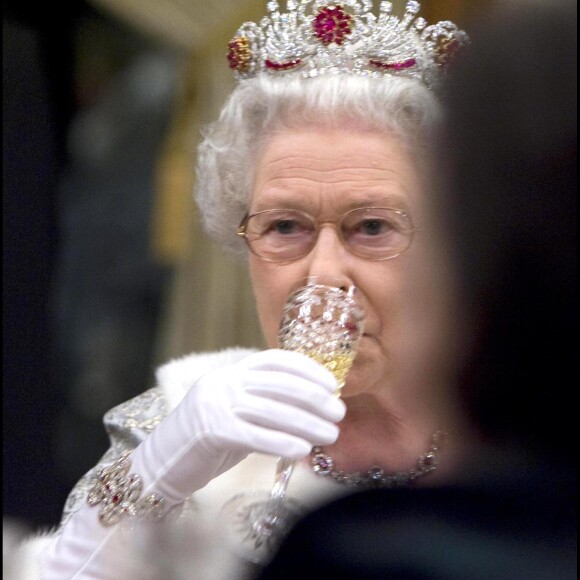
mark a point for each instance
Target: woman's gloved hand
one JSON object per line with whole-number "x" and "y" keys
{"x": 275, "y": 401}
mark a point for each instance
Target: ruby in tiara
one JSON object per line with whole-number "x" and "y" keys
{"x": 447, "y": 50}
{"x": 239, "y": 54}
{"x": 393, "y": 65}
{"x": 282, "y": 65}
{"x": 332, "y": 24}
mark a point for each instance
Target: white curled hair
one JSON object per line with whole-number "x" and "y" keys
{"x": 262, "y": 106}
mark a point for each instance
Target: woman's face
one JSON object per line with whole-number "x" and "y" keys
{"x": 327, "y": 173}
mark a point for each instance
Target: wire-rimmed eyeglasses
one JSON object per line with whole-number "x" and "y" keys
{"x": 283, "y": 235}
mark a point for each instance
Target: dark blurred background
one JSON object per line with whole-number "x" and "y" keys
{"x": 87, "y": 102}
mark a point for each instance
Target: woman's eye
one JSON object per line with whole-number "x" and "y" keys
{"x": 284, "y": 227}
{"x": 373, "y": 227}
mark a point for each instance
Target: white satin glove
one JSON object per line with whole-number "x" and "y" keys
{"x": 276, "y": 402}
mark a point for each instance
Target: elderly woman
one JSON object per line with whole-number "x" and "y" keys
{"x": 316, "y": 166}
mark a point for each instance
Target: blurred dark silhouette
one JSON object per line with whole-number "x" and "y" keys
{"x": 511, "y": 218}
{"x": 509, "y": 209}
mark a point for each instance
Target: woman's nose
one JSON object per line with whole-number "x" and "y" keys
{"x": 329, "y": 256}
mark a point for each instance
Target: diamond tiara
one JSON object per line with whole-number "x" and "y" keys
{"x": 314, "y": 38}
